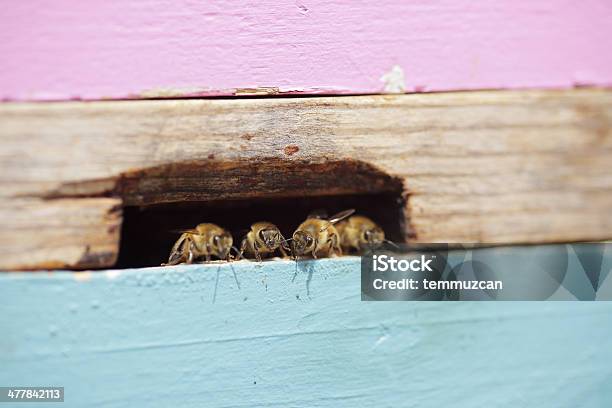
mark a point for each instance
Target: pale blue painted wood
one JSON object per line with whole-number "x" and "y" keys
{"x": 161, "y": 337}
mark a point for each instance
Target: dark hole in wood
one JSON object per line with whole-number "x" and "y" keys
{"x": 163, "y": 199}
{"x": 147, "y": 233}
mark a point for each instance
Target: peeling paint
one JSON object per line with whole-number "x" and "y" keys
{"x": 113, "y": 274}
{"x": 380, "y": 340}
{"x": 394, "y": 80}
{"x": 192, "y": 92}
{"x": 262, "y": 90}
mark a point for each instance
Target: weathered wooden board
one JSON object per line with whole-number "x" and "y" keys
{"x": 60, "y": 233}
{"x": 529, "y": 166}
{"x": 162, "y": 48}
{"x": 185, "y": 336}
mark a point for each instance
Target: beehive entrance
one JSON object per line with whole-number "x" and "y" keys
{"x": 160, "y": 200}
{"x": 147, "y": 233}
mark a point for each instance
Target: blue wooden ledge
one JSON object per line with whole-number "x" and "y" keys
{"x": 260, "y": 335}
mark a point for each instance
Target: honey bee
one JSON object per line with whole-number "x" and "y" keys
{"x": 360, "y": 233}
{"x": 263, "y": 238}
{"x": 318, "y": 237}
{"x": 205, "y": 240}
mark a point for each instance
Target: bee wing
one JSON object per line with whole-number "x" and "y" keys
{"x": 319, "y": 214}
{"x": 393, "y": 244}
{"x": 179, "y": 249}
{"x": 337, "y": 218}
{"x": 175, "y": 258}
{"x": 341, "y": 215}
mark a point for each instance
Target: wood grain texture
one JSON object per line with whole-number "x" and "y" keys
{"x": 504, "y": 167}
{"x": 61, "y": 233}
{"x": 168, "y": 48}
{"x": 189, "y": 336}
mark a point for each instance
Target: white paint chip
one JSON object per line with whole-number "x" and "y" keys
{"x": 112, "y": 274}
{"x": 82, "y": 276}
{"x": 380, "y": 340}
{"x": 394, "y": 80}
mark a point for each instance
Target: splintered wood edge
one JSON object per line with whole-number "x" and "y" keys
{"x": 497, "y": 166}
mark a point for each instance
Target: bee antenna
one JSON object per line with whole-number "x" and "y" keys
{"x": 238, "y": 253}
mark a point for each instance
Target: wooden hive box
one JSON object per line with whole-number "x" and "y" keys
{"x": 445, "y": 121}
{"x": 486, "y": 167}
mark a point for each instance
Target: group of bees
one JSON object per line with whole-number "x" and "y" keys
{"x": 318, "y": 236}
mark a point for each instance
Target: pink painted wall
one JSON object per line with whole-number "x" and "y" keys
{"x": 69, "y": 49}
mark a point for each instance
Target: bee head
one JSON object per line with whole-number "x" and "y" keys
{"x": 302, "y": 242}
{"x": 271, "y": 237}
{"x": 373, "y": 237}
{"x": 223, "y": 244}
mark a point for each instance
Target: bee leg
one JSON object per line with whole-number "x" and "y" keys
{"x": 330, "y": 248}
{"x": 238, "y": 254}
{"x": 334, "y": 246}
{"x": 282, "y": 251}
{"x": 294, "y": 255}
{"x": 243, "y": 247}
{"x": 257, "y": 254}
{"x": 208, "y": 251}
{"x": 192, "y": 252}
{"x": 338, "y": 251}
{"x": 286, "y": 250}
